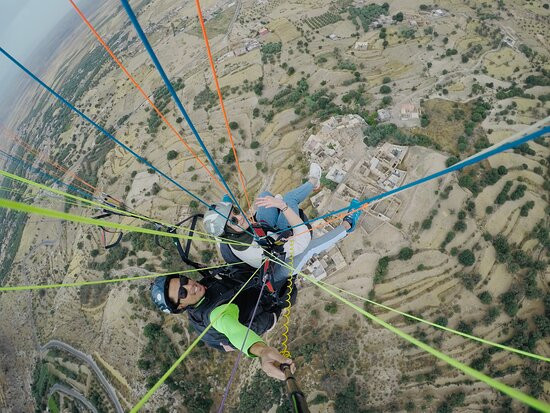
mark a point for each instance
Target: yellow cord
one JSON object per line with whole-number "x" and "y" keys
{"x": 286, "y": 314}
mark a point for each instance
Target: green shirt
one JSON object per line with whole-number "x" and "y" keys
{"x": 228, "y": 324}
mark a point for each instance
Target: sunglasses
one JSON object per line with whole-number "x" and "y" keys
{"x": 182, "y": 293}
{"x": 235, "y": 212}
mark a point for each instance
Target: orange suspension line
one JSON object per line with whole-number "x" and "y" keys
{"x": 42, "y": 157}
{"x": 131, "y": 78}
{"x": 332, "y": 219}
{"x": 205, "y": 36}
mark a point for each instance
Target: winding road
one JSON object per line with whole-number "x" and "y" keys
{"x": 90, "y": 361}
{"x": 73, "y": 393}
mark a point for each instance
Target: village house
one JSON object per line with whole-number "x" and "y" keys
{"x": 410, "y": 111}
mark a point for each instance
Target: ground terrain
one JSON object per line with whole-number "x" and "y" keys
{"x": 470, "y": 89}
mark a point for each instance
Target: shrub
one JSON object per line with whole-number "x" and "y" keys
{"x": 466, "y": 258}
{"x": 427, "y": 223}
{"x": 398, "y": 17}
{"x": 233, "y": 125}
{"x": 254, "y": 145}
{"x": 464, "y": 327}
{"x": 518, "y": 192}
{"x": 470, "y": 280}
{"x": 485, "y": 297}
{"x": 386, "y": 79}
{"x": 448, "y": 238}
{"x": 442, "y": 321}
{"x": 526, "y": 207}
{"x": 385, "y": 89}
{"x": 171, "y": 155}
{"x": 491, "y": 315}
{"x": 331, "y": 307}
{"x": 386, "y": 100}
{"x": 510, "y": 300}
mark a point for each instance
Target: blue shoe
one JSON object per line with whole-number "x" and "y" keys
{"x": 353, "y": 217}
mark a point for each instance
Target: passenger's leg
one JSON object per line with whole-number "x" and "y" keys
{"x": 267, "y": 215}
{"x": 316, "y": 246}
{"x": 293, "y": 199}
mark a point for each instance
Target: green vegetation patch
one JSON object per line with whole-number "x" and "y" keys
{"x": 52, "y": 405}
{"x": 206, "y": 98}
{"x": 42, "y": 381}
{"x": 160, "y": 353}
{"x": 388, "y": 132}
{"x": 161, "y": 98}
{"x": 323, "y": 20}
{"x": 367, "y": 14}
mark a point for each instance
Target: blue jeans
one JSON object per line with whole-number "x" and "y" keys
{"x": 316, "y": 246}
{"x": 273, "y": 217}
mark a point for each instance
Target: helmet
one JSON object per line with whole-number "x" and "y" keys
{"x": 159, "y": 294}
{"x": 216, "y": 217}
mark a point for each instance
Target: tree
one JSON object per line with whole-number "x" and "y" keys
{"x": 385, "y": 89}
{"x": 386, "y": 79}
{"x": 451, "y": 160}
{"x": 386, "y": 100}
{"x": 254, "y": 144}
{"x": 398, "y": 17}
{"x": 424, "y": 120}
{"x": 485, "y": 297}
{"x": 460, "y": 225}
{"x": 233, "y": 125}
{"x": 381, "y": 269}
{"x": 405, "y": 253}
{"x": 502, "y": 248}
{"x": 466, "y": 258}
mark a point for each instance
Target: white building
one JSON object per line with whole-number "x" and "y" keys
{"x": 361, "y": 46}
{"x": 336, "y": 173}
{"x": 252, "y": 44}
{"x": 316, "y": 270}
{"x": 439, "y": 13}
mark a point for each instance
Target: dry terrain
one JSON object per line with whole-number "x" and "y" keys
{"x": 469, "y": 250}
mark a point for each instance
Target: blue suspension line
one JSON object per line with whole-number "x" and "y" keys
{"x": 101, "y": 129}
{"x": 155, "y": 60}
{"x": 44, "y": 174}
{"x": 455, "y": 167}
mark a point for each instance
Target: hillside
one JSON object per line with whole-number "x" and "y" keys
{"x": 346, "y": 84}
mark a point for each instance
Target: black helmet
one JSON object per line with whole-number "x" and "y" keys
{"x": 159, "y": 294}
